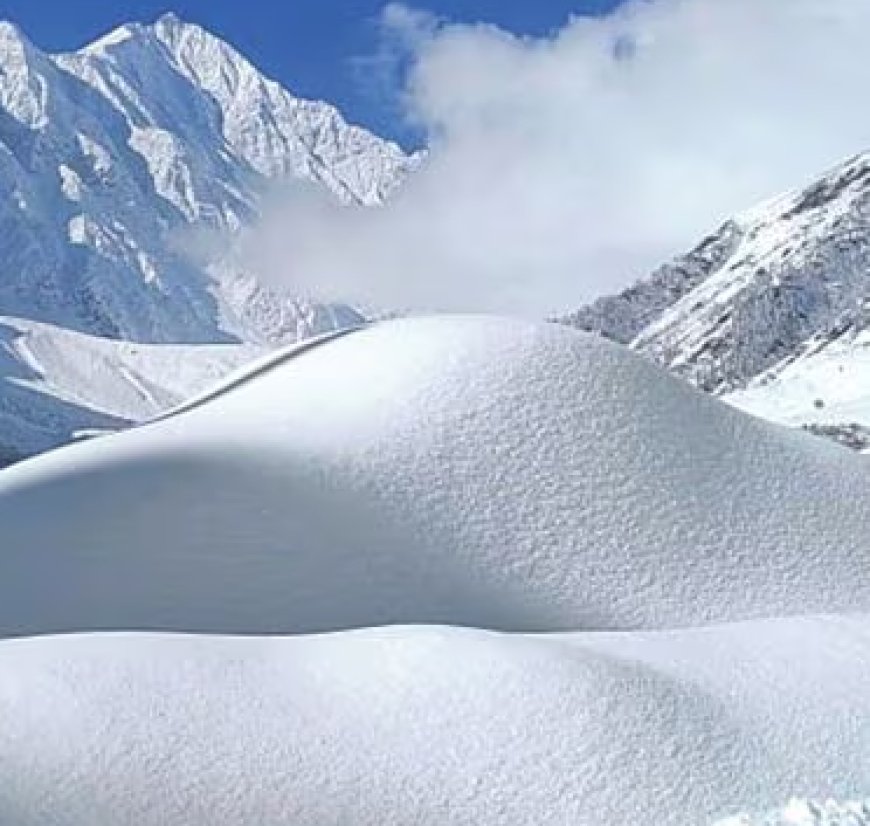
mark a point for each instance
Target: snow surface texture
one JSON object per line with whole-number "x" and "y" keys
{"x": 116, "y": 158}
{"x": 808, "y": 813}
{"x": 471, "y": 471}
{"x": 487, "y": 472}
{"x": 774, "y": 303}
{"x": 433, "y": 726}
{"x": 56, "y": 383}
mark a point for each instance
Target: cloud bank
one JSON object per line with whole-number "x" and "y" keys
{"x": 566, "y": 167}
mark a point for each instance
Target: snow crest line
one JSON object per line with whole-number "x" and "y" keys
{"x": 254, "y": 371}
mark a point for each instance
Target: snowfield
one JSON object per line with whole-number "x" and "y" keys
{"x": 56, "y": 383}
{"x": 682, "y": 590}
{"x": 828, "y": 387}
{"x": 433, "y": 726}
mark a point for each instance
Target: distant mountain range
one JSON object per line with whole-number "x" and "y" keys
{"x": 112, "y": 156}
{"x": 108, "y": 154}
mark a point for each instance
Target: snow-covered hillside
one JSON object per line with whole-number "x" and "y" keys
{"x": 488, "y": 472}
{"x": 774, "y": 303}
{"x": 55, "y": 383}
{"x": 470, "y": 472}
{"x": 116, "y": 159}
{"x": 127, "y": 168}
{"x": 826, "y": 391}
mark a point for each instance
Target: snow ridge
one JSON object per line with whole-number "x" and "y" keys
{"x": 770, "y": 286}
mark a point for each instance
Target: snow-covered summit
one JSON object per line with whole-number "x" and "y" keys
{"x": 21, "y": 93}
{"x": 273, "y": 131}
{"x": 115, "y": 159}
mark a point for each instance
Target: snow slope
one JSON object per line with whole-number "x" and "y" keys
{"x": 771, "y": 308}
{"x": 433, "y": 726}
{"x": 55, "y": 383}
{"x": 787, "y": 276}
{"x": 465, "y": 471}
{"x": 826, "y": 390}
{"x": 487, "y": 472}
{"x": 116, "y": 161}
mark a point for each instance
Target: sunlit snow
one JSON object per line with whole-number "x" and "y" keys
{"x": 697, "y": 575}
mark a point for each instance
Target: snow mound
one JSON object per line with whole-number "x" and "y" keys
{"x": 446, "y": 726}
{"x": 454, "y": 470}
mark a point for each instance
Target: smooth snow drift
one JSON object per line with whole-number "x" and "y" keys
{"x": 467, "y": 471}
{"x": 433, "y": 726}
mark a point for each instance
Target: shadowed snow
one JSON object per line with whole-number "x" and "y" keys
{"x": 459, "y": 470}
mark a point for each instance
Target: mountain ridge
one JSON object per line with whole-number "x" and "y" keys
{"x": 129, "y": 168}
{"x": 114, "y": 153}
{"x": 769, "y": 296}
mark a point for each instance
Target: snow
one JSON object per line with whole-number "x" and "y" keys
{"x": 828, "y": 386}
{"x": 433, "y": 725}
{"x": 675, "y": 592}
{"x": 679, "y": 615}
{"x": 55, "y": 383}
{"x": 808, "y": 813}
{"x": 771, "y": 286}
{"x": 131, "y": 165}
{"x": 123, "y": 157}
{"x": 490, "y": 473}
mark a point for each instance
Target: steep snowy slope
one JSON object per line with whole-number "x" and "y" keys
{"x": 116, "y": 158}
{"x": 55, "y": 383}
{"x": 464, "y": 470}
{"x": 434, "y": 726}
{"x": 778, "y": 283}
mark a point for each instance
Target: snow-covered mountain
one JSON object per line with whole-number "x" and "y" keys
{"x": 126, "y": 169}
{"x": 773, "y": 301}
{"x": 115, "y": 159}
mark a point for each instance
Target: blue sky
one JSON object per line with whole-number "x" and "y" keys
{"x": 309, "y": 45}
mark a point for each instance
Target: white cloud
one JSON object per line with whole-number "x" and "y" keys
{"x": 565, "y": 167}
